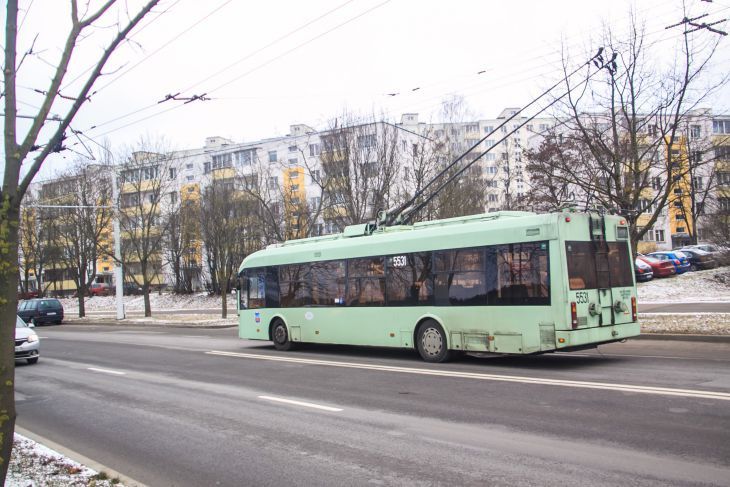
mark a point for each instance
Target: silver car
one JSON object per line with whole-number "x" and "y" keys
{"x": 27, "y": 343}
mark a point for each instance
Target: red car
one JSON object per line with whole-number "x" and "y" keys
{"x": 99, "y": 289}
{"x": 660, "y": 268}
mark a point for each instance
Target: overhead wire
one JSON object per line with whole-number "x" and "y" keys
{"x": 298, "y": 46}
{"x": 247, "y": 73}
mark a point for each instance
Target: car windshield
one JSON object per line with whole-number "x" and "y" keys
{"x": 19, "y": 323}
{"x": 679, "y": 254}
{"x": 647, "y": 258}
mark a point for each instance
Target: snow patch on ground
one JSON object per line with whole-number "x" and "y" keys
{"x": 34, "y": 465}
{"x": 712, "y": 285}
{"x": 158, "y": 301}
{"x": 691, "y": 324}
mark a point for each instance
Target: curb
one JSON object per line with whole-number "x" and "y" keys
{"x": 189, "y": 324}
{"x": 78, "y": 457}
{"x": 683, "y": 337}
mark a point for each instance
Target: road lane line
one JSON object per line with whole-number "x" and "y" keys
{"x": 604, "y": 354}
{"x": 699, "y": 394}
{"x": 300, "y": 403}
{"x": 106, "y": 371}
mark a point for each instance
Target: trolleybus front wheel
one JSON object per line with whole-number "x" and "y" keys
{"x": 431, "y": 342}
{"x": 280, "y": 336}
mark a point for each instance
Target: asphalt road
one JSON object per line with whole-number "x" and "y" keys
{"x": 200, "y": 407}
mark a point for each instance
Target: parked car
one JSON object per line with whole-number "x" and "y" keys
{"x": 677, "y": 258}
{"x": 27, "y": 343}
{"x": 99, "y": 289}
{"x": 699, "y": 259}
{"x": 660, "y": 268}
{"x": 41, "y": 310}
{"x": 642, "y": 271}
{"x": 131, "y": 289}
{"x": 720, "y": 254}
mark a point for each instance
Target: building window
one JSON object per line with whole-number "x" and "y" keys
{"x": 722, "y": 152}
{"x": 695, "y": 131}
{"x": 190, "y": 177}
{"x": 723, "y": 204}
{"x": 316, "y": 176}
{"x": 659, "y": 235}
{"x": 656, "y": 182}
{"x": 189, "y": 165}
{"x": 488, "y": 129}
{"x": 173, "y": 173}
{"x": 472, "y": 128}
{"x": 543, "y": 127}
{"x": 492, "y": 198}
{"x": 292, "y": 148}
{"x": 366, "y": 141}
{"x": 173, "y": 197}
{"x": 721, "y": 126}
{"x": 314, "y": 202}
{"x": 272, "y": 156}
{"x": 273, "y": 182}
{"x": 723, "y": 178}
{"x": 697, "y": 182}
{"x": 313, "y": 150}
{"x": 222, "y": 160}
{"x": 293, "y": 161}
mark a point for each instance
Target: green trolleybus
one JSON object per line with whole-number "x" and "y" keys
{"x": 504, "y": 282}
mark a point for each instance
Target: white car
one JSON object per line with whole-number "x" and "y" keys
{"x": 27, "y": 343}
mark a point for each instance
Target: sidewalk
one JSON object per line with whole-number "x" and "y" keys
{"x": 160, "y": 319}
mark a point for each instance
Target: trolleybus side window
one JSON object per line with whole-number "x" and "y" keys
{"x": 328, "y": 283}
{"x": 366, "y": 282}
{"x": 522, "y": 274}
{"x": 272, "y": 287}
{"x": 459, "y": 277}
{"x": 408, "y": 280}
{"x": 294, "y": 285}
{"x": 252, "y": 288}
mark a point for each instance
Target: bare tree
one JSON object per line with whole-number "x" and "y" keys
{"x": 17, "y": 153}
{"x": 85, "y": 226}
{"x": 147, "y": 177}
{"x": 360, "y": 160}
{"x": 226, "y": 215}
{"x": 182, "y": 242}
{"x": 621, "y": 134}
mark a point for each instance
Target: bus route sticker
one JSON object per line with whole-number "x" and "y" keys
{"x": 308, "y": 316}
{"x": 257, "y": 317}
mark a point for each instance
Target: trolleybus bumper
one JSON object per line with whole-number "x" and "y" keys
{"x": 565, "y": 339}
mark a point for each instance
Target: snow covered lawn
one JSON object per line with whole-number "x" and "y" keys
{"x": 711, "y": 286}
{"x": 34, "y": 465}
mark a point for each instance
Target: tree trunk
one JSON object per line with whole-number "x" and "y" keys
{"x": 82, "y": 304}
{"x": 9, "y": 218}
{"x": 224, "y": 298}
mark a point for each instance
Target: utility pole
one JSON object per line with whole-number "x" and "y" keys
{"x": 118, "y": 271}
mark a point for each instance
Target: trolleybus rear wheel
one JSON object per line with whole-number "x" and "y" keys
{"x": 280, "y": 336}
{"x": 431, "y": 342}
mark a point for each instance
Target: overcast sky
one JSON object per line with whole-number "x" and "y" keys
{"x": 267, "y": 65}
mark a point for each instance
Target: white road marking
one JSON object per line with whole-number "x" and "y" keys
{"x": 300, "y": 403}
{"x": 699, "y": 394}
{"x": 604, "y": 354}
{"x": 106, "y": 371}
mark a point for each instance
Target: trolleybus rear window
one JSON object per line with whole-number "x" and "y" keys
{"x": 590, "y": 267}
